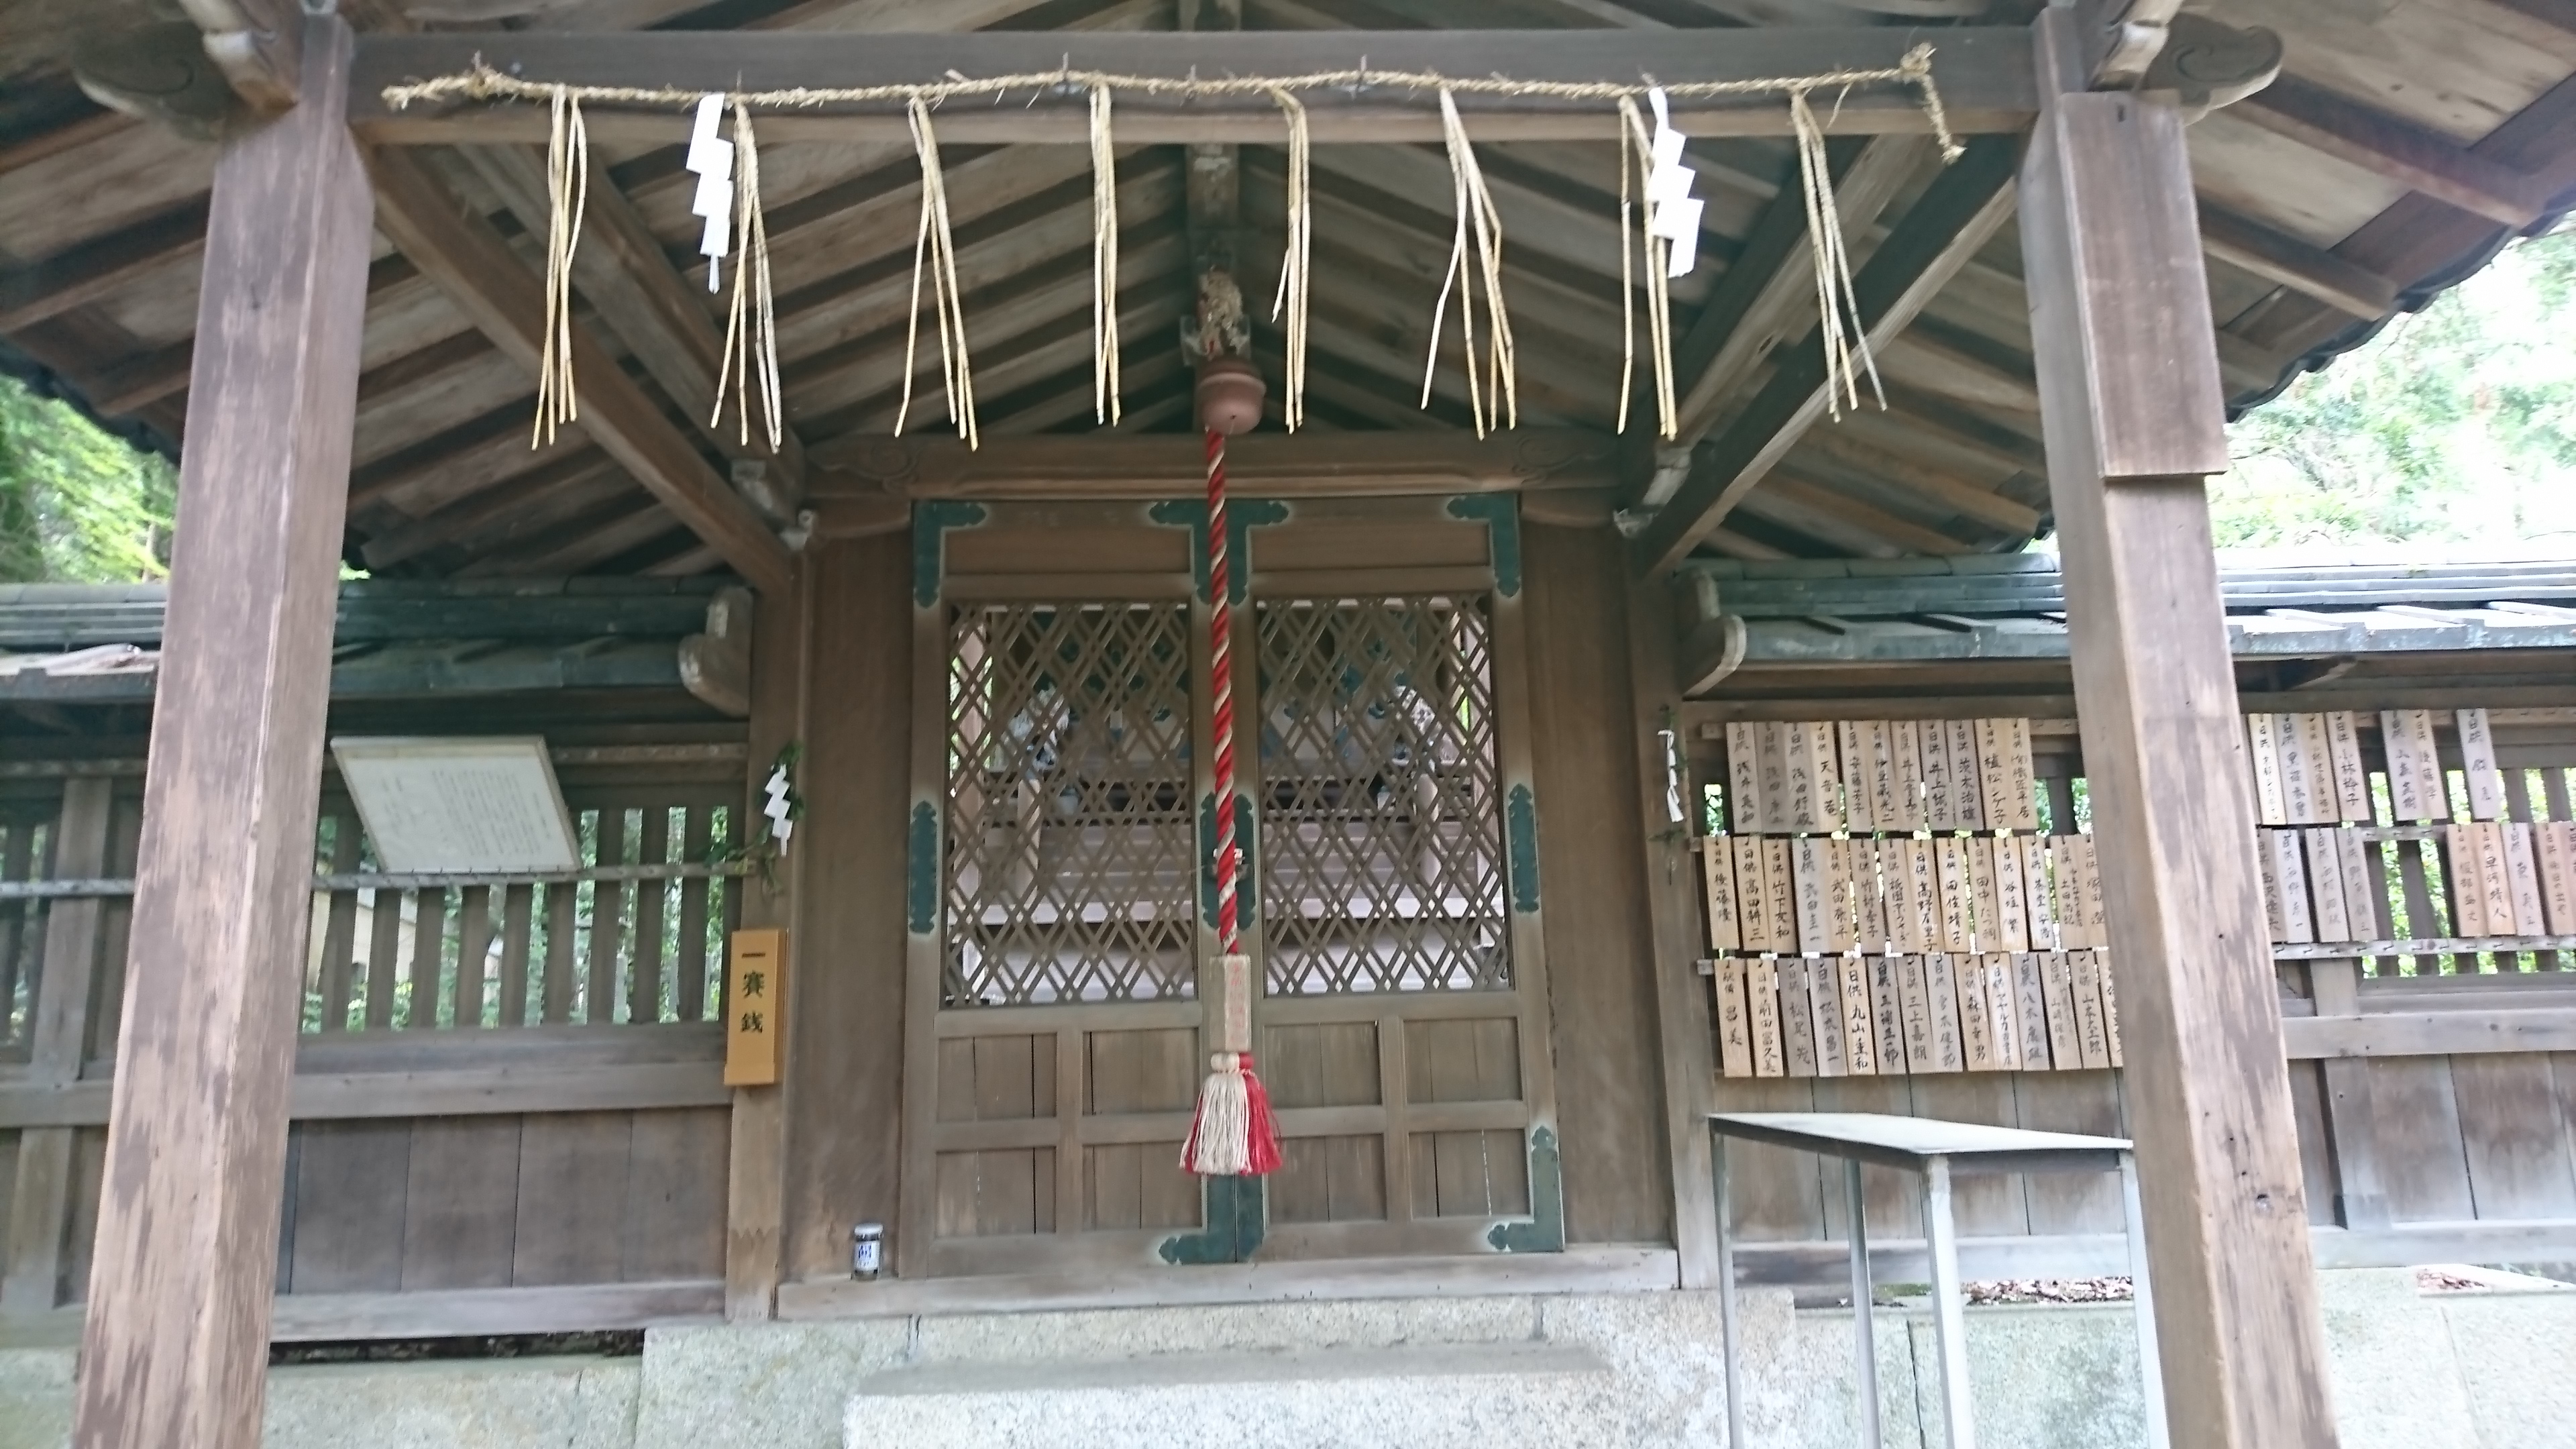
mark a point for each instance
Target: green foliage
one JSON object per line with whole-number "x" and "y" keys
{"x": 2456, "y": 425}
{"x": 77, "y": 505}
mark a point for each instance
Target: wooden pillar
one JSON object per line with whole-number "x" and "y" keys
{"x": 176, "y": 1344}
{"x": 756, "y": 1178}
{"x": 2131, "y": 407}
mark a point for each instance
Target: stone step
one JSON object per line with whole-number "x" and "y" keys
{"x": 1433, "y": 1396}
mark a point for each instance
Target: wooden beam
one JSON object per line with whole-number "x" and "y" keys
{"x": 489, "y": 284}
{"x": 2396, "y": 148}
{"x": 2280, "y": 258}
{"x": 40, "y": 1213}
{"x": 83, "y": 273}
{"x": 1258, "y": 465}
{"x": 1769, "y": 294}
{"x": 1983, "y": 504}
{"x": 663, "y": 320}
{"x": 1983, "y": 73}
{"x": 1962, "y": 209}
{"x": 2120, "y": 322}
{"x": 175, "y": 1347}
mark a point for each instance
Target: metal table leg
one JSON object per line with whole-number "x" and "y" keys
{"x": 1949, "y": 1313}
{"x": 2151, "y": 1379}
{"x": 1726, "y": 1292}
{"x": 1864, "y": 1331}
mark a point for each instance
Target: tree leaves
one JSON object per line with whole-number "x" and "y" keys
{"x": 76, "y": 504}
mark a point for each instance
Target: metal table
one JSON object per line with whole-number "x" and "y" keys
{"x": 1939, "y": 1151}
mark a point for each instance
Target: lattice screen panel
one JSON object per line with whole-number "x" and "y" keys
{"x": 1070, "y": 841}
{"x": 1381, "y": 831}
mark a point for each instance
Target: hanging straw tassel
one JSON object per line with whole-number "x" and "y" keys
{"x": 934, "y": 246}
{"x": 1234, "y": 1133}
{"x": 1636, "y": 164}
{"x": 1296, "y": 265}
{"x": 751, "y": 324}
{"x": 568, "y": 193}
{"x": 1104, "y": 263}
{"x": 1837, "y": 304}
{"x": 1494, "y": 397}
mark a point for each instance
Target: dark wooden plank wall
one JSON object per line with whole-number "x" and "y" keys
{"x": 1609, "y": 1084}
{"x": 844, "y": 1064}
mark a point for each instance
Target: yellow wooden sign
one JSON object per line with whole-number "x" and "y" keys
{"x": 755, "y": 993}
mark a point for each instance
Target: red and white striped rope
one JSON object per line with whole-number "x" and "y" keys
{"x": 1221, "y": 686}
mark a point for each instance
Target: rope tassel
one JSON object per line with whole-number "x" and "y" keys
{"x": 935, "y": 248}
{"x": 568, "y": 193}
{"x": 751, "y": 324}
{"x": 1493, "y": 397}
{"x": 1296, "y": 264}
{"x": 1234, "y": 1133}
{"x": 1104, "y": 263}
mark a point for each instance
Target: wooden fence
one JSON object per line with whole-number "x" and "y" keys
{"x": 508, "y": 1108}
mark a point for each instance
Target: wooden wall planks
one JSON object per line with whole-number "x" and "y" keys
{"x": 1600, "y": 988}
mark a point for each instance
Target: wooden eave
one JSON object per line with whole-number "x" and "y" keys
{"x": 2394, "y": 158}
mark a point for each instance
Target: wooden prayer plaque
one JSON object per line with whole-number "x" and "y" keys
{"x": 2021, "y": 777}
{"x": 1826, "y": 770}
{"x": 2351, "y": 775}
{"x": 2297, "y": 801}
{"x": 2065, "y": 1037}
{"x": 1744, "y": 780}
{"x": 2093, "y": 1039}
{"x": 2325, "y": 886}
{"x": 2557, "y": 846}
{"x": 2030, "y": 999}
{"x": 1916, "y": 1004}
{"x": 1869, "y": 891}
{"x": 1985, "y": 908}
{"x": 1734, "y": 1022}
{"x": 2495, "y": 877}
{"x": 1860, "y": 1032}
{"x": 2095, "y": 911}
{"x": 1887, "y": 1013}
{"x": 1752, "y": 894}
{"x": 1905, "y": 744}
{"x": 1825, "y": 1001}
{"x": 1771, "y": 751}
{"x": 1784, "y": 899}
{"x": 2003, "y": 1014}
{"x": 2012, "y": 923}
{"x": 1878, "y": 743}
{"x": 2415, "y": 787}
{"x": 2293, "y": 879}
{"x": 2365, "y": 903}
{"x": 1860, "y": 804}
{"x": 2108, "y": 985}
{"x": 1994, "y": 775}
{"x": 2264, "y": 750}
{"x": 2316, "y": 765}
{"x": 1842, "y": 905}
{"x": 1798, "y": 759}
{"x": 1797, "y": 1016}
{"x": 2460, "y": 867}
{"x": 1940, "y": 812}
{"x": 1967, "y": 790}
{"x": 1976, "y": 1022}
{"x": 1810, "y": 875}
{"x": 2478, "y": 762}
{"x": 2267, "y": 870}
{"x": 1956, "y": 892}
{"x": 1762, "y": 992}
{"x": 1916, "y": 896}
{"x": 1717, "y": 875}
{"x": 1941, "y": 994}
{"x": 2522, "y": 869}
{"x": 2035, "y": 892}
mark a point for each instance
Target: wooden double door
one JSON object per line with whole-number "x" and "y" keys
{"x": 1062, "y": 905}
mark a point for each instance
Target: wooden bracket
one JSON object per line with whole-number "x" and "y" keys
{"x": 257, "y": 44}
{"x": 715, "y": 666}
{"x": 2207, "y": 64}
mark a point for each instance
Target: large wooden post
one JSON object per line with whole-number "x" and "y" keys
{"x": 2131, "y": 407}
{"x": 176, "y": 1343}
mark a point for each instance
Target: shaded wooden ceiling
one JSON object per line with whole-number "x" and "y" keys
{"x": 2406, "y": 141}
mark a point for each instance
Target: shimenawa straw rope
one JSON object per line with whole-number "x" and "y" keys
{"x": 567, "y": 195}
{"x": 1104, "y": 263}
{"x": 934, "y": 244}
{"x": 750, "y": 362}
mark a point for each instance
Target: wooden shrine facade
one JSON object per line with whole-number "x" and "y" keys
{"x": 1487, "y": 678}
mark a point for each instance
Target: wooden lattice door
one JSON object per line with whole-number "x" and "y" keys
{"x": 1061, "y": 910}
{"x": 1403, "y": 1021}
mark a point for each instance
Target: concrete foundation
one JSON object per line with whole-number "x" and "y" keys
{"x": 2411, "y": 1371}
